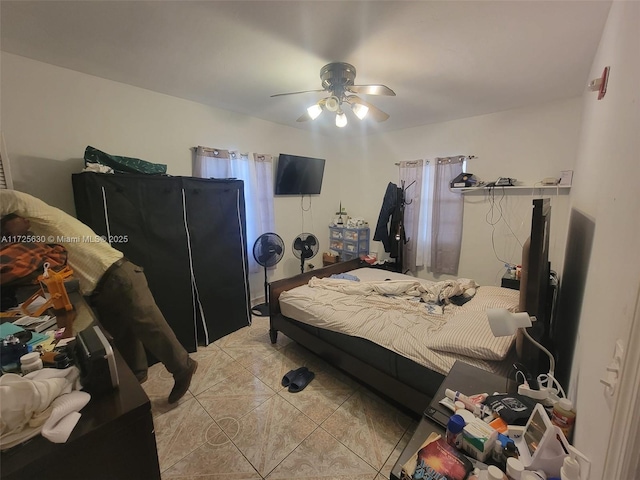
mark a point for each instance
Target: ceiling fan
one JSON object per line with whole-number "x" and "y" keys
{"x": 337, "y": 79}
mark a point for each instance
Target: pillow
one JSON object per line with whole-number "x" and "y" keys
{"x": 469, "y": 334}
{"x": 493, "y": 297}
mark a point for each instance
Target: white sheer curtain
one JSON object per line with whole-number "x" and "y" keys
{"x": 256, "y": 171}
{"x": 432, "y": 214}
{"x": 448, "y": 209}
{"x": 423, "y": 250}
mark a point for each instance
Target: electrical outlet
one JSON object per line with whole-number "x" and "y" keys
{"x": 611, "y": 378}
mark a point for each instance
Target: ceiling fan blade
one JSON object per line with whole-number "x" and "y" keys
{"x": 371, "y": 90}
{"x": 375, "y": 113}
{"x": 296, "y": 93}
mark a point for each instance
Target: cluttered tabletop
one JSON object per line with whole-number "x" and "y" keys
{"x": 38, "y": 328}
{"x": 469, "y": 434}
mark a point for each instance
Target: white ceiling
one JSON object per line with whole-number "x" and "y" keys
{"x": 444, "y": 59}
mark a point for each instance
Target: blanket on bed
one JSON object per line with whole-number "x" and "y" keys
{"x": 411, "y": 328}
{"x": 437, "y": 292}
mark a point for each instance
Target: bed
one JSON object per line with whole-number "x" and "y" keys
{"x": 377, "y": 331}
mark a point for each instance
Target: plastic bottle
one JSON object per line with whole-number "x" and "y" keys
{"x": 570, "y": 469}
{"x": 30, "y": 362}
{"x": 494, "y": 473}
{"x": 514, "y": 468}
{"x": 564, "y": 417}
{"x": 453, "y": 435}
{"x": 496, "y": 455}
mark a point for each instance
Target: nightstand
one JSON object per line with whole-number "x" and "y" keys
{"x": 509, "y": 280}
{"x": 464, "y": 378}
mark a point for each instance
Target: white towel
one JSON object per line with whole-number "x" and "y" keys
{"x": 64, "y": 416}
{"x": 27, "y": 403}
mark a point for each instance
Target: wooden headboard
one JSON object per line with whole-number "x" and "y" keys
{"x": 279, "y": 286}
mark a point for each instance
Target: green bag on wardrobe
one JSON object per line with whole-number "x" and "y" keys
{"x": 123, "y": 164}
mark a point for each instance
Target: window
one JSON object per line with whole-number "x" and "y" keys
{"x": 256, "y": 171}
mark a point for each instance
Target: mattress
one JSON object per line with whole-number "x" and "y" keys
{"x": 401, "y": 323}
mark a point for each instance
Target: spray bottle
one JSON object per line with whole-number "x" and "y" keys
{"x": 570, "y": 469}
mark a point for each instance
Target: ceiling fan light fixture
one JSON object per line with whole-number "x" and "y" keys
{"x": 360, "y": 110}
{"x": 314, "y": 111}
{"x": 338, "y": 81}
{"x": 332, "y": 103}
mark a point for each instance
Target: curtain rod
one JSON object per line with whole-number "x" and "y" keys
{"x": 412, "y": 162}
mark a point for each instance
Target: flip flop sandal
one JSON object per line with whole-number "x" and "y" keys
{"x": 301, "y": 381}
{"x": 288, "y": 378}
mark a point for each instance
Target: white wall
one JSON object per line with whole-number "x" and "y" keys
{"x": 604, "y": 189}
{"x": 50, "y": 114}
{"x": 527, "y": 144}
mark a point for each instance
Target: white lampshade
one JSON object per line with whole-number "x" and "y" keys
{"x": 504, "y": 323}
{"x": 360, "y": 110}
{"x": 314, "y": 111}
{"x": 341, "y": 119}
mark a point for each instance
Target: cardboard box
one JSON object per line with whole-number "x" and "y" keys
{"x": 330, "y": 259}
{"x": 478, "y": 439}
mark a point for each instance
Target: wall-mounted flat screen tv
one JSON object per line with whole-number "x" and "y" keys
{"x": 297, "y": 175}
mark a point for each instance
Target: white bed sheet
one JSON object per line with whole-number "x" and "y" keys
{"x": 402, "y": 326}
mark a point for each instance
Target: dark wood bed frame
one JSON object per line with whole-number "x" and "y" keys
{"x": 408, "y": 397}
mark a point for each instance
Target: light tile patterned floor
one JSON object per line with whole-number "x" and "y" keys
{"x": 237, "y": 422}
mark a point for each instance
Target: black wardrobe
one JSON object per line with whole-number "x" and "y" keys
{"x": 189, "y": 235}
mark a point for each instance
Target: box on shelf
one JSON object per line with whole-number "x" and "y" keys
{"x": 566, "y": 177}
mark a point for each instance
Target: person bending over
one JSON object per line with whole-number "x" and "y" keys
{"x": 117, "y": 289}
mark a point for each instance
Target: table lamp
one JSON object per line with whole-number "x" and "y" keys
{"x": 504, "y": 323}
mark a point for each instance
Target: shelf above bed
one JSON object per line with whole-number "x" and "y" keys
{"x": 505, "y": 188}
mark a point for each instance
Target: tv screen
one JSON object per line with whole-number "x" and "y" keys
{"x": 299, "y": 175}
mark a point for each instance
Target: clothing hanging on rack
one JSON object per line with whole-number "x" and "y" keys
{"x": 386, "y": 230}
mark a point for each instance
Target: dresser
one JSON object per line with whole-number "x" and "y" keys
{"x": 349, "y": 243}
{"x": 114, "y": 438}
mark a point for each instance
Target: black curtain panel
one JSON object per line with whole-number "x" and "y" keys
{"x": 216, "y": 217}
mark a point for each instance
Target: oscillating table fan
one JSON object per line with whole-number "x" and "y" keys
{"x": 268, "y": 250}
{"x": 305, "y": 246}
